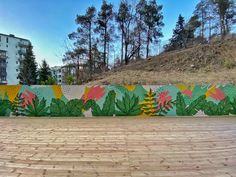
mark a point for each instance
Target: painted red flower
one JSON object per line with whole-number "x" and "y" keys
{"x": 92, "y": 93}
{"x": 188, "y": 93}
{"x": 164, "y": 100}
{"x": 215, "y": 93}
{"x": 218, "y": 95}
{"x": 29, "y": 97}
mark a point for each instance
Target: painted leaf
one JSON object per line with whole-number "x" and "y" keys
{"x": 129, "y": 106}
{"x": 38, "y": 108}
{"x": 233, "y": 104}
{"x": 224, "y": 107}
{"x": 58, "y": 108}
{"x": 18, "y": 108}
{"x": 108, "y": 106}
{"x": 5, "y": 107}
{"x": 188, "y": 110}
{"x": 74, "y": 107}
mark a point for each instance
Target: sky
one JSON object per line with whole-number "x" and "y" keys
{"x": 47, "y": 23}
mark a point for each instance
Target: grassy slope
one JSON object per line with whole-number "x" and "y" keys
{"x": 201, "y": 64}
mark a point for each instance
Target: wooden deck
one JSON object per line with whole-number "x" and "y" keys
{"x": 176, "y": 147}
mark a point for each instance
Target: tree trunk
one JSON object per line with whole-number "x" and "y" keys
{"x": 147, "y": 49}
{"x": 139, "y": 36}
{"x": 90, "y": 52}
{"x": 139, "y": 43}
{"x": 108, "y": 51}
{"x": 126, "y": 53}
{"x": 122, "y": 47}
{"x": 105, "y": 47}
{"x": 210, "y": 29}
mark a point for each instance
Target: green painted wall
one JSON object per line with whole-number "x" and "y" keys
{"x": 117, "y": 100}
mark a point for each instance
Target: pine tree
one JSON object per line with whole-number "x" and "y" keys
{"x": 104, "y": 26}
{"x": 201, "y": 13}
{"x": 226, "y": 12}
{"x": 149, "y": 105}
{"x": 84, "y": 35}
{"x": 180, "y": 36}
{"x": 140, "y": 28}
{"x": 153, "y": 21}
{"x": 44, "y": 72}
{"x": 28, "y": 68}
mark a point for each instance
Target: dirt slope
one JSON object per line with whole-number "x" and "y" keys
{"x": 211, "y": 63}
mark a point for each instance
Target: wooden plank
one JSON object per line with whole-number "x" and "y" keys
{"x": 116, "y": 147}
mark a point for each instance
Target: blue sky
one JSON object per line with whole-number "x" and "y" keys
{"x": 48, "y": 22}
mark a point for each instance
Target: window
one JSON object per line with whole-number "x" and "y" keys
{"x": 6, "y": 45}
{"x": 17, "y": 62}
{"x": 7, "y": 39}
{"x": 0, "y": 38}
{"x": 17, "y": 70}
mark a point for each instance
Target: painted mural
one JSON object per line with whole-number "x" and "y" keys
{"x": 116, "y": 100}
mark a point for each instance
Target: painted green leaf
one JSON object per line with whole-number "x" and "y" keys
{"x": 5, "y": 107}
{"x": 108, "y": 106}
{"x": 224, "y": 107}
{"x": 74, "y": 107}
{"x": 188, "y": 110}
{"x": 233, "y": 104}
{"x": 38, "y": 108}
{"x": 129, "y": 106}
{"x": 58, "y": 108}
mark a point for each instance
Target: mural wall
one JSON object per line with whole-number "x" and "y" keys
{"x": 116, "y": 100}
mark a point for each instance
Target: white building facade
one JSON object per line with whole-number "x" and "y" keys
{"x": 12, "y": 50}
{"x": 57, "y": 74}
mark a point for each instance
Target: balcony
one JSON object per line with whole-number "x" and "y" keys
{"x": 23, "y": 44}
{"x": 3, "y": 54}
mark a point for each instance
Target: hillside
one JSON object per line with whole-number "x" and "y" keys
{"x": 211, "y": 63}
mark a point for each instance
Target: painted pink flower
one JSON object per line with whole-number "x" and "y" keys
{"x": 164, "y": 100}
{"x": 215, "y": 93}
{"x": 92, "y": 93}
{"x": 29, "y": 97}
{"x": 218, "y": 95}
{"x": 188, "y": 93}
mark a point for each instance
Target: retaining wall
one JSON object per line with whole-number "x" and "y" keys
{"x": 116, "y": 100}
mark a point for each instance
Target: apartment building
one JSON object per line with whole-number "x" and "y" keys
{"x": 12, "y": 50}
{"x": 57, "y": 74}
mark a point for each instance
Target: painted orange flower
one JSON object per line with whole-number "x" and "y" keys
{"x": 186, "y": 90}
{"x": 164, "y": 100}
{"x": 93, "y": 93}
{"x": 29, "y": 97}
{"x": 215, "y": 93}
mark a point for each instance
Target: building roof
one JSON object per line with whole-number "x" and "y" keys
{"x": 13, "y": 36}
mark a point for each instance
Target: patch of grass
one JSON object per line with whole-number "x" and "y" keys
{"x": 229, "y": 64}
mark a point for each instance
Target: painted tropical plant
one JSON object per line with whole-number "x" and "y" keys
{"x": 224, "y": 107}
{"x": 108, "y": 108}
{"x": 5, "y": 108}
{"x": 38, "y": 108}
{"x": 182, "y": 109}
{"x": 18, "y": 108}
{"x": 129, "y": 106}
{"x": 73, "y": 108}
{"x": 149, "y": 106}
{"x": 233, "y": 105}
{"x": 165, "y": 103}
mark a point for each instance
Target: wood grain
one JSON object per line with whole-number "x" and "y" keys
{"x": 112, "y": 147}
